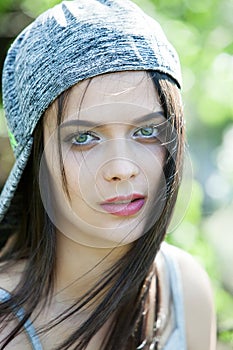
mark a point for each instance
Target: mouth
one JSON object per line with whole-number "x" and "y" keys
{"x": 124, "y": 205}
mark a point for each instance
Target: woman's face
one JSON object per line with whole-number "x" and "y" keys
{"x": 112, "y": 153}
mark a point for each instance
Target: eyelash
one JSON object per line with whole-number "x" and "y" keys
{"x": 95, "y": 139}
{"x": 71, "y": 138}
{"x": 153, "y": 128}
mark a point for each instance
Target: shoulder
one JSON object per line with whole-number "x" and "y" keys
{"x": 198, "y": 302}
{"x": 9, "y": 279}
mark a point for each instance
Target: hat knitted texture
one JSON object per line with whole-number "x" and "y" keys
{"x": 71, "y": 42}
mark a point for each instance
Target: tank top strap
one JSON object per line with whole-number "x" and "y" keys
{"x": 29, "y": 328}
{"x": 178, "y": 337}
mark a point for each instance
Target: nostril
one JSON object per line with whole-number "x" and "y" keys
{"x": 122, "y": 178}
{"x": 115, "y": 178}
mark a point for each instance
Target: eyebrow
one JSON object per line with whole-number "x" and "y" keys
{"x": 81, "y": 122}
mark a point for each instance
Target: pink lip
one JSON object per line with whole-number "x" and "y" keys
{"x": 134, "y": 203}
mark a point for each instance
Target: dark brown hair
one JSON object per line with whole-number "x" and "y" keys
{"x": 35, "y": 240}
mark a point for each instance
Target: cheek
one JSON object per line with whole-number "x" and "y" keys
{"x": 153, "y": 161}
{"x": 84, "y": 170}
{"x": 84, "y": 174}
{"x": 80, "y": 172}
{"x": 156, "y": 180}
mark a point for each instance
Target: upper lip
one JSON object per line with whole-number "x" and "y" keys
{"x": 126, "y": 199}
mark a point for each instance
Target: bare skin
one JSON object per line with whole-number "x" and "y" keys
{"x": 198, "y": 306}
{"x": 84, "y": 236}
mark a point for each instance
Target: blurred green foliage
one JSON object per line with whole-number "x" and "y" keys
{"x": 201, "y": 31}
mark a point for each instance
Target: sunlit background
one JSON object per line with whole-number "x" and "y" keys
{"x": 202, "y": 32}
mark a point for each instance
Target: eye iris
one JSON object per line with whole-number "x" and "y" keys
{"x": 147, "y": 131}
{"x": 81, "y": 138}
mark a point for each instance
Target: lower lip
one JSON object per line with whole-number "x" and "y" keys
{"x": 124, "y": 209}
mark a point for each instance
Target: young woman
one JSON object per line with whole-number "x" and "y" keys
{"x": 92, "y": 101}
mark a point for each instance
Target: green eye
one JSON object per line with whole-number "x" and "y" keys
{"x": 84, "y": 138}
{"x": 148, "y": 132}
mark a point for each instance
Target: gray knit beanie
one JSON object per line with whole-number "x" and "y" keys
{"x": 73, "y": 41}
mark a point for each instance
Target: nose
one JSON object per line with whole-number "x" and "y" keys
{"x": 120, "y": 170}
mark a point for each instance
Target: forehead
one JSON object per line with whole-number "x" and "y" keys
{"x": 115, "y": 92}
{"x": 113, "y": 97}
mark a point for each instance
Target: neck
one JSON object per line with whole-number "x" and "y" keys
{"x": 79, "y": 267}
